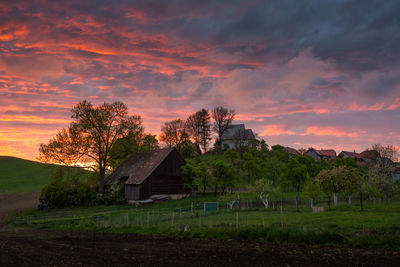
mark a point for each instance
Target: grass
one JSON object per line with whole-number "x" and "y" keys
{"x": 377, "y": 226}
{"x": 20, "y": 175}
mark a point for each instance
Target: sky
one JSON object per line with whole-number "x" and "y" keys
{"x": 322, "y": 74}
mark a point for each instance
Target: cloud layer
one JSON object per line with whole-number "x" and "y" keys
{"x": 300, "y": 73}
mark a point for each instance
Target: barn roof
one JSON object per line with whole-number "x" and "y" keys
{"x": 137, "y": 168}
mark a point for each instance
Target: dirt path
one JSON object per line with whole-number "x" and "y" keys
{"x": 17, "y": 202}
{"x": 37, "y": 247}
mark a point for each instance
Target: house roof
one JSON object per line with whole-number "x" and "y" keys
{"x": 370, "y": 154}
{"x": 291, "y": 151}
{"x": 324, "y": 152}
{"x": 352, "y": 154}
{"x": 327, "y": 152}
{"x": 138, "y": 167}
{"x": 232, "y": 130}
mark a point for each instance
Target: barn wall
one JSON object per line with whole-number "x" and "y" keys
{"x": 167, "y": 185}
{"x": 167, "y": 178}
{"x": 132, "y": 192}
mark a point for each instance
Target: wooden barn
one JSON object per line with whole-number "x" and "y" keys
{"x": 157, "y": 172}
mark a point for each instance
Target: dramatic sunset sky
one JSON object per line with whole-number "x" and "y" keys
{"x": 299, "y": 73}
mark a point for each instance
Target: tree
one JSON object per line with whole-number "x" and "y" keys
{"x": 174, "y": 133}
{"x": 243, "y": 140}
{"x": 331, "y": 181}
{"x": 130, "y": 145}
{"x": 222, "y": 120}
{"x": 199, "y": 127}
{"x": 263, "y": 188}
{"x": 311, "y": 189}
{"x": 351, "y": 183}
{"x": 389, "y": 151}
{"x": 223, "y": 173}
{"x": 379, "y": 178}
{"x": 230, "y": 198}
{"x": 90, "y": 137}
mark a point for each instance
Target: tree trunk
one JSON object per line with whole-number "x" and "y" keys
{"x": 335, "y": 195}
{"x": 204, "y": 186}
{"x": 101, "y": 180}
{"x": 311, "y": 200}
{"x": 349, "y": 200}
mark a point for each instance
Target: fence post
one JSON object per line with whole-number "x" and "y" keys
{"x": 172, "y": 219}
{"x": 281, "y": 215}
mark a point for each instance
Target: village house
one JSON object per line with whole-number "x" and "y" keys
{"x": 370, "y": 156}
{"x": 157, "y": 172}
{"x": 356, "y": 156}
{"x": 292, "y": 152}
{"x": 237, "y": 136}
{"x": 327, "y": 154}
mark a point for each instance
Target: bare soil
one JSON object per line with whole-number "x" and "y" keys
{"x": 35, "y": 247}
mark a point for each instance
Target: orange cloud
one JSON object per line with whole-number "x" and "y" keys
{"x": 329, "y": 131}
{"x": 276, "y": 130}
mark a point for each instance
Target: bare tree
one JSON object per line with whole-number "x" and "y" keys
{"x": 222, "y": 120}
{"x": 199, "y": 127}
{"x": 174, "y": 133}
{"x": 389, "y": 151}
{"x": 243, "y": 140}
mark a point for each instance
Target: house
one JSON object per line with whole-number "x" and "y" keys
{"x": 157, "y": 172}
{"x": 370, "y": 156}
{"x": 237, "y": 136}
{"x": 328, "y": 154}
{"x": 356, "y": 156}
{"x": 292, "y": 152}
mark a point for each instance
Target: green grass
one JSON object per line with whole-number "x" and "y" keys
{"x": 20, "y": 175}
{"x": 377, "y": 226}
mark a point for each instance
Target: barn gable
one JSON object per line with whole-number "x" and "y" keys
{"x": 157, "y": 172}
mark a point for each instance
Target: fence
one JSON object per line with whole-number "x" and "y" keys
{"x": 248, "y": 212}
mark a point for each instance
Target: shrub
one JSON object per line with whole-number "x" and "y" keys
{"x": 68, "y": 188}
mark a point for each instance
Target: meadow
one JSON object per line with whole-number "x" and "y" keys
{"x": 378, "y": 226}
{"x": 20, "y": 175}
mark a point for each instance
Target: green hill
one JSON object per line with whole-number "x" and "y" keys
{"x": 20, "y": 175}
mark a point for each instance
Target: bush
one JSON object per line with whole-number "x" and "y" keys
{"x": 68, "y": 188}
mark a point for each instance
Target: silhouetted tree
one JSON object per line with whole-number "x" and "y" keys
{"x": 90, "y": 137}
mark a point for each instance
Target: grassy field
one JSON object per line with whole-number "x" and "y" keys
{"x": 377, "y": 226}
{"x": 20, "y": 175}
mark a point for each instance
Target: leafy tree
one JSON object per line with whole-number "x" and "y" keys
{"x": 199, "y": 127}
{"x": 223, "y": 173}
{"x": 90, "y": 137}
{"x": 263, "y": 188}
{"x": 331, "y": 181}
{"x": 311, "y": 189}
{"x": 132, "y": 144}
{"x": 351, "y": 183}
{"x": 379, "y": 178}
{"x": 203, "y": 174}
{"x": 222, "y": 121}
{"x": 230, "y": 198}
{"x": 174, "y": 133}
